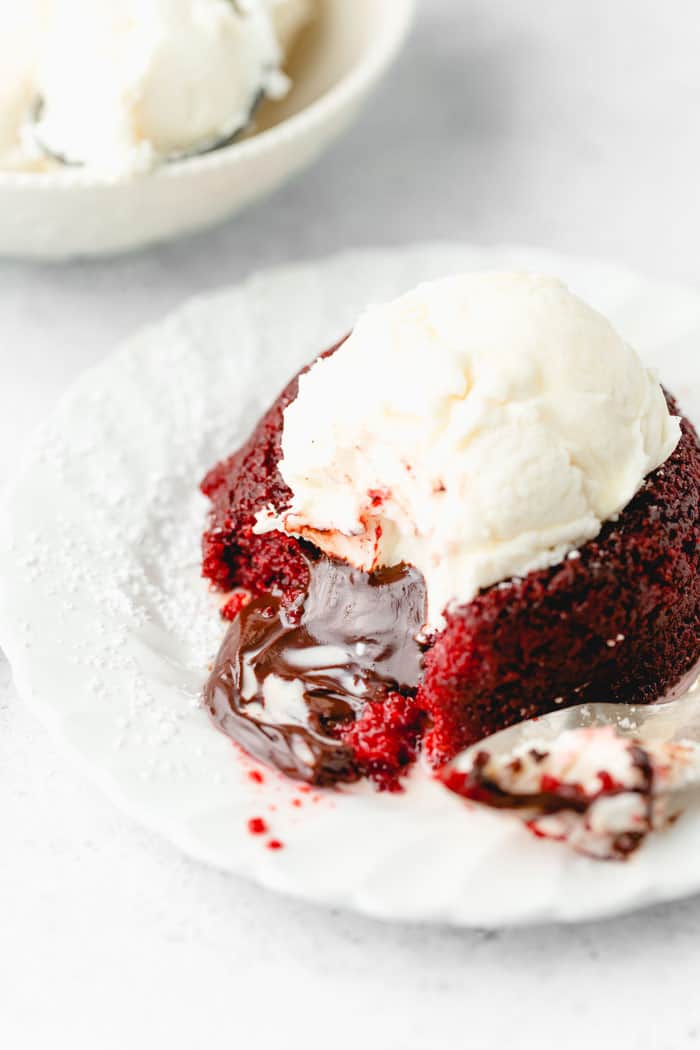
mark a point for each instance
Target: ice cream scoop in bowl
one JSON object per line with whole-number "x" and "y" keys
{"x": 148, "y": 84}
{"x": 170, "y": 135}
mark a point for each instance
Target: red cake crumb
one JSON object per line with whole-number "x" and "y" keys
{"x": 257, "y": 826}
{"x": 619, "y": 621}
{"x": 385, "y": 739}
{"x": 534, "y": 829}
{"x": 231, "y": 608}
{"x": 256, "y": 776}
{"x": 608, "y": 783}
{"x": 275, "y": 844}
{"x": 553, "y": 784}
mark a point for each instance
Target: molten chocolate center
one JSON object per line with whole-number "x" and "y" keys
{"x": 285, "y": 680}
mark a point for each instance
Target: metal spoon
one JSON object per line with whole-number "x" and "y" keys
{"x": 175, "y": 156}
{"x": 599, "y": 777}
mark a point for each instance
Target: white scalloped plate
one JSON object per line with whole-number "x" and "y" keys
{"x": 109, "y": 627}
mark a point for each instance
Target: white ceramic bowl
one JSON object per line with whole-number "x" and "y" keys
{"x": 336, "y": 65}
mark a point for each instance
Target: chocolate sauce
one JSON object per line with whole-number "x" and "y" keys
{"x": 286, "y": 680}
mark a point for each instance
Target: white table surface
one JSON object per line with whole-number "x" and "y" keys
{"x": 570, "y": 125}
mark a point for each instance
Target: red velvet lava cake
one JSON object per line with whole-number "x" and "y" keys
{"x": 330, "y": 672}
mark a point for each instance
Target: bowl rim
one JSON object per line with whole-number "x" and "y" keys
{"x": 393, "y": 27}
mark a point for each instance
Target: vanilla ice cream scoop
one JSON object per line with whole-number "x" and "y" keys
{"x": 121, "y": 86}
{"x": 479, "y": 428}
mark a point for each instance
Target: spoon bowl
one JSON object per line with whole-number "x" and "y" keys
{"x": 599, "y": 777}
